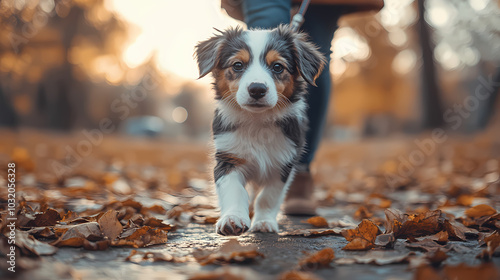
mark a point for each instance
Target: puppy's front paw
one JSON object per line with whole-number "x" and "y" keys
{"x": 265, "y": 226}
{"x": 232, "y": 224}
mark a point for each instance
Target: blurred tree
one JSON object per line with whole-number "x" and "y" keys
{"x": 50, "y": 51}
{"x": 486, "y": 112}
{"x": 8, "y": 116}
{"x": 432, "y": 112}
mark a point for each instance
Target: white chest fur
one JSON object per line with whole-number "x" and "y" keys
{"x": 264, "y": 148}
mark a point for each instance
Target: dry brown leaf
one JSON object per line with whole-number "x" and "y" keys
{"x": 317, "y": 221}
{"x": 69, "y": 216}
{"x": 363, "y": 213}
{"x": 154, "y": 222}
{"x": 227, "y": 273}
{"x": 426, "y": 272}
{"x": 230, "y": 252}
{"x": 405, "y": 225}
{"x": 297, "y": 275}
{"x": 361, "y": 238}
{"x": 100, "y": 245}
{"x": 43, "y": 232}
{"x": 465, "y": 200}
{"x": 76, "y": 235}
{"x": 29, "y": 246}
{"x": 436, "y": 257}
{"x": 319, "y": 259}
{"x": 385, "y": 240}
{"x": 139, "y": 256}
{"x": 47, "y": 218}
{"x": 110, "y": 225}
{"x": 458, "y": 232}
{"x": 440, "y": 237}
{"x": 376, "y": 257}
{"x": 426, "y": 245}
{"x": 480, "y": 211}
{"x": 485, "y": 271}
{"x": 492, "y": 242}
{"x": 155, "y": 209}
{"x": 141, "y": 237}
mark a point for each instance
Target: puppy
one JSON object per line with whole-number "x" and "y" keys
{"x": 259, "y": 125}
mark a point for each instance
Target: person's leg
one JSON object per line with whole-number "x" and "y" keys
{"x": 265, "y": 13}
{"x": 320, "y": 23}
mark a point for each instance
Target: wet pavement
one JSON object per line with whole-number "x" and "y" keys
{"x": 282, "y": 253}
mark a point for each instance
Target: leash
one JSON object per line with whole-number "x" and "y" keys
{"x": 298, "y": 18}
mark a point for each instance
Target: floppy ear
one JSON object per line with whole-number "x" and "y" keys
{"x": 207, "y": 54}
{"x": 310, "y": 61}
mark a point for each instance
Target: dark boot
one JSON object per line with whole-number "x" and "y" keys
{"x": 299, "y": 199}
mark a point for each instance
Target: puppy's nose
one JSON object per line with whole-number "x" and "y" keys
{"x": 257, "y": 90}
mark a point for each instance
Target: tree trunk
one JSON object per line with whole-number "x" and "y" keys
{"x": 431, "y": 105}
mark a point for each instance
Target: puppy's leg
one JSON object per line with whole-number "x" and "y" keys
{"x": 267, "y": 206}
{"x": 233, "y": 201}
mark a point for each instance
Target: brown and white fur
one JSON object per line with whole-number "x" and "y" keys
{"x": 260, "y": 122}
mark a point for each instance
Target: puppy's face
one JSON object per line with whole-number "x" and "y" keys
{"x": 259, "y": 69}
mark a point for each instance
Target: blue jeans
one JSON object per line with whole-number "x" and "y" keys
{"x": 320, "y": 23}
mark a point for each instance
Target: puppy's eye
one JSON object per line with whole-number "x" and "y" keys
{"x": 238, "y": 66}
{"x": 278, "y": 68}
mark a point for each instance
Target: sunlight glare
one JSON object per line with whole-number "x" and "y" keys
{"x": 170, "y": 29}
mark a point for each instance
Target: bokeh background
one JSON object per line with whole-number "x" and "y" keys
{"x": 67, "y": 65}
{"x": 101, "y": 111}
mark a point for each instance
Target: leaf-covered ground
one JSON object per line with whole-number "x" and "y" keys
{"x": 144, "y": 209}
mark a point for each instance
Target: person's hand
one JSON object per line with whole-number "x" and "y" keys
{"x": 233, "y": 8}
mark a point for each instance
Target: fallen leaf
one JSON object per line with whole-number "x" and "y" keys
{"x": 42, "y": 232}
{"x": 154, "y": 222}
{"x": 376, "y": 257}
{"x": 110, "y": 225}
{"x": 317, "y": 221}
{"x": 480, "y": 211}
{"x": 363, "y": 213}
{"x": 75, "y": 236}
{"x": 426, "y": 245}
{"x": 216, "y": 275}
{"x": 361, "y": 238}
{"x": 47, "y": 218}
{"x": 141, "y": 237}
{"x": 492, "y": 242}
{"x": 385, "y": 240}
{"x": 458, "y": 232}
{"x": 230, "y": 252}
{"x": 440, "y": 237}
{"x": 297, "y": 275}
{"x": 100, "y": 245}
{"x": 29, "y": 246}
{"x": 227, "y": 273}
{"x": 426, "y": 272}
{"x": 319, "y": 259}
{"x": 405, "y": 225}
{"x": 465, "y": 200}
{"x": 138, "y": 256}
{"x": 437, "y": 257}
{"x": 485, "y": 271}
